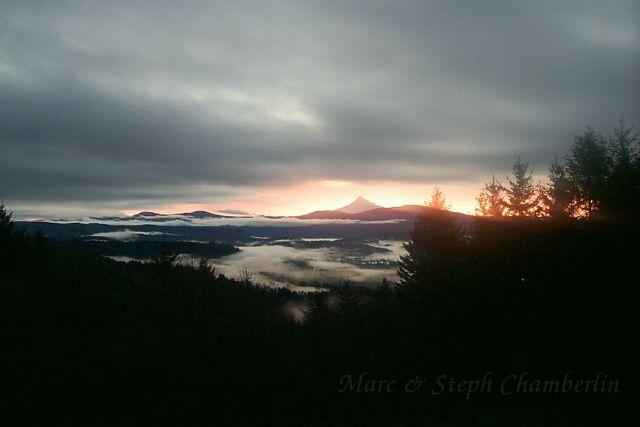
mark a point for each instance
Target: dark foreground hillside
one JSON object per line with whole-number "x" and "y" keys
{"x": 520, "y": 304}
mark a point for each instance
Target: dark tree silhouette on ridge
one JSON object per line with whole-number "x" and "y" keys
{"x": 438, "y": 200}
{"x": 491, "y": 199}
{"x": 520, "y": 191}
{"x": 588, "y": 168}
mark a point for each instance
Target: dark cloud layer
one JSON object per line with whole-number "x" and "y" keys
{"x": 137, "y": 101}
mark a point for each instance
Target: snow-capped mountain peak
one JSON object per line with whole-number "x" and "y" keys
{"x": 358, "y": 205}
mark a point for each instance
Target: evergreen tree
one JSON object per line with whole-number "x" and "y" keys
{"x": 521, "y": 192}
{"x": 435, "y": 246}
{"x": 438, "y": 200}
{"x": 6, "y": 234}
{"x": 491, "y": 199}
{"x": 624, "y": 180}
{"x": 5, "y": 219}
{"x": 556, "y": 197}
{"x": 588, "y": 169}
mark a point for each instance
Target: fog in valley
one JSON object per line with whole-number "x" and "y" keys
{"x": 278, "y": 265}
{"x": 305, "y": 265}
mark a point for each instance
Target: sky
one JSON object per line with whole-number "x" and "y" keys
{"x": 284, "y": 107}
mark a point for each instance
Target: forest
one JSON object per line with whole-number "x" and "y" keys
{"x": 542, "y": 285}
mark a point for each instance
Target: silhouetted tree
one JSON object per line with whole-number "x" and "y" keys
{"x": 206, "y": 266}
{"x": 491, "y": 199}
{"x": 165, "y": 259}
{"x": 11, "y": 243}
{"x": 588, "y": 168}
{"x": 438, "y": 200}
{"x": 520, "y": 191}
{"x": 436, "y": 243}
{"x": 624, "y": 179}
{"x": 5, "y": 219}
{"x": 556, "y": 197}
{"x": 245, "y": 276}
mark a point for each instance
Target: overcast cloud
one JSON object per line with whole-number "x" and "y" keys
{"x": 128, "y": 102}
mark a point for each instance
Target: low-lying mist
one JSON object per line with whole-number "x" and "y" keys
{"x": 285, "y": 264}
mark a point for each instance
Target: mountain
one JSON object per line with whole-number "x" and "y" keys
{"x": 406, "y": 212}
{"x": 358, "y": 205}
{"x": 327, "y": 215}
{"x": 170, "y": 217}
{"x": 202, "y": 215}
{"x": 360, "y": 209}
{"x": 146, "y": 214}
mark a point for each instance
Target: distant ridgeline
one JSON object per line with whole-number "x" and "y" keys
{"x": 231, "y": 234}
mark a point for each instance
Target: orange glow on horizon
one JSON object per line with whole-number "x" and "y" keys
{"x": 302, "y": 198}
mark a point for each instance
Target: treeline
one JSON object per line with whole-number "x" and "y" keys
{"x": 600, "y": 177}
